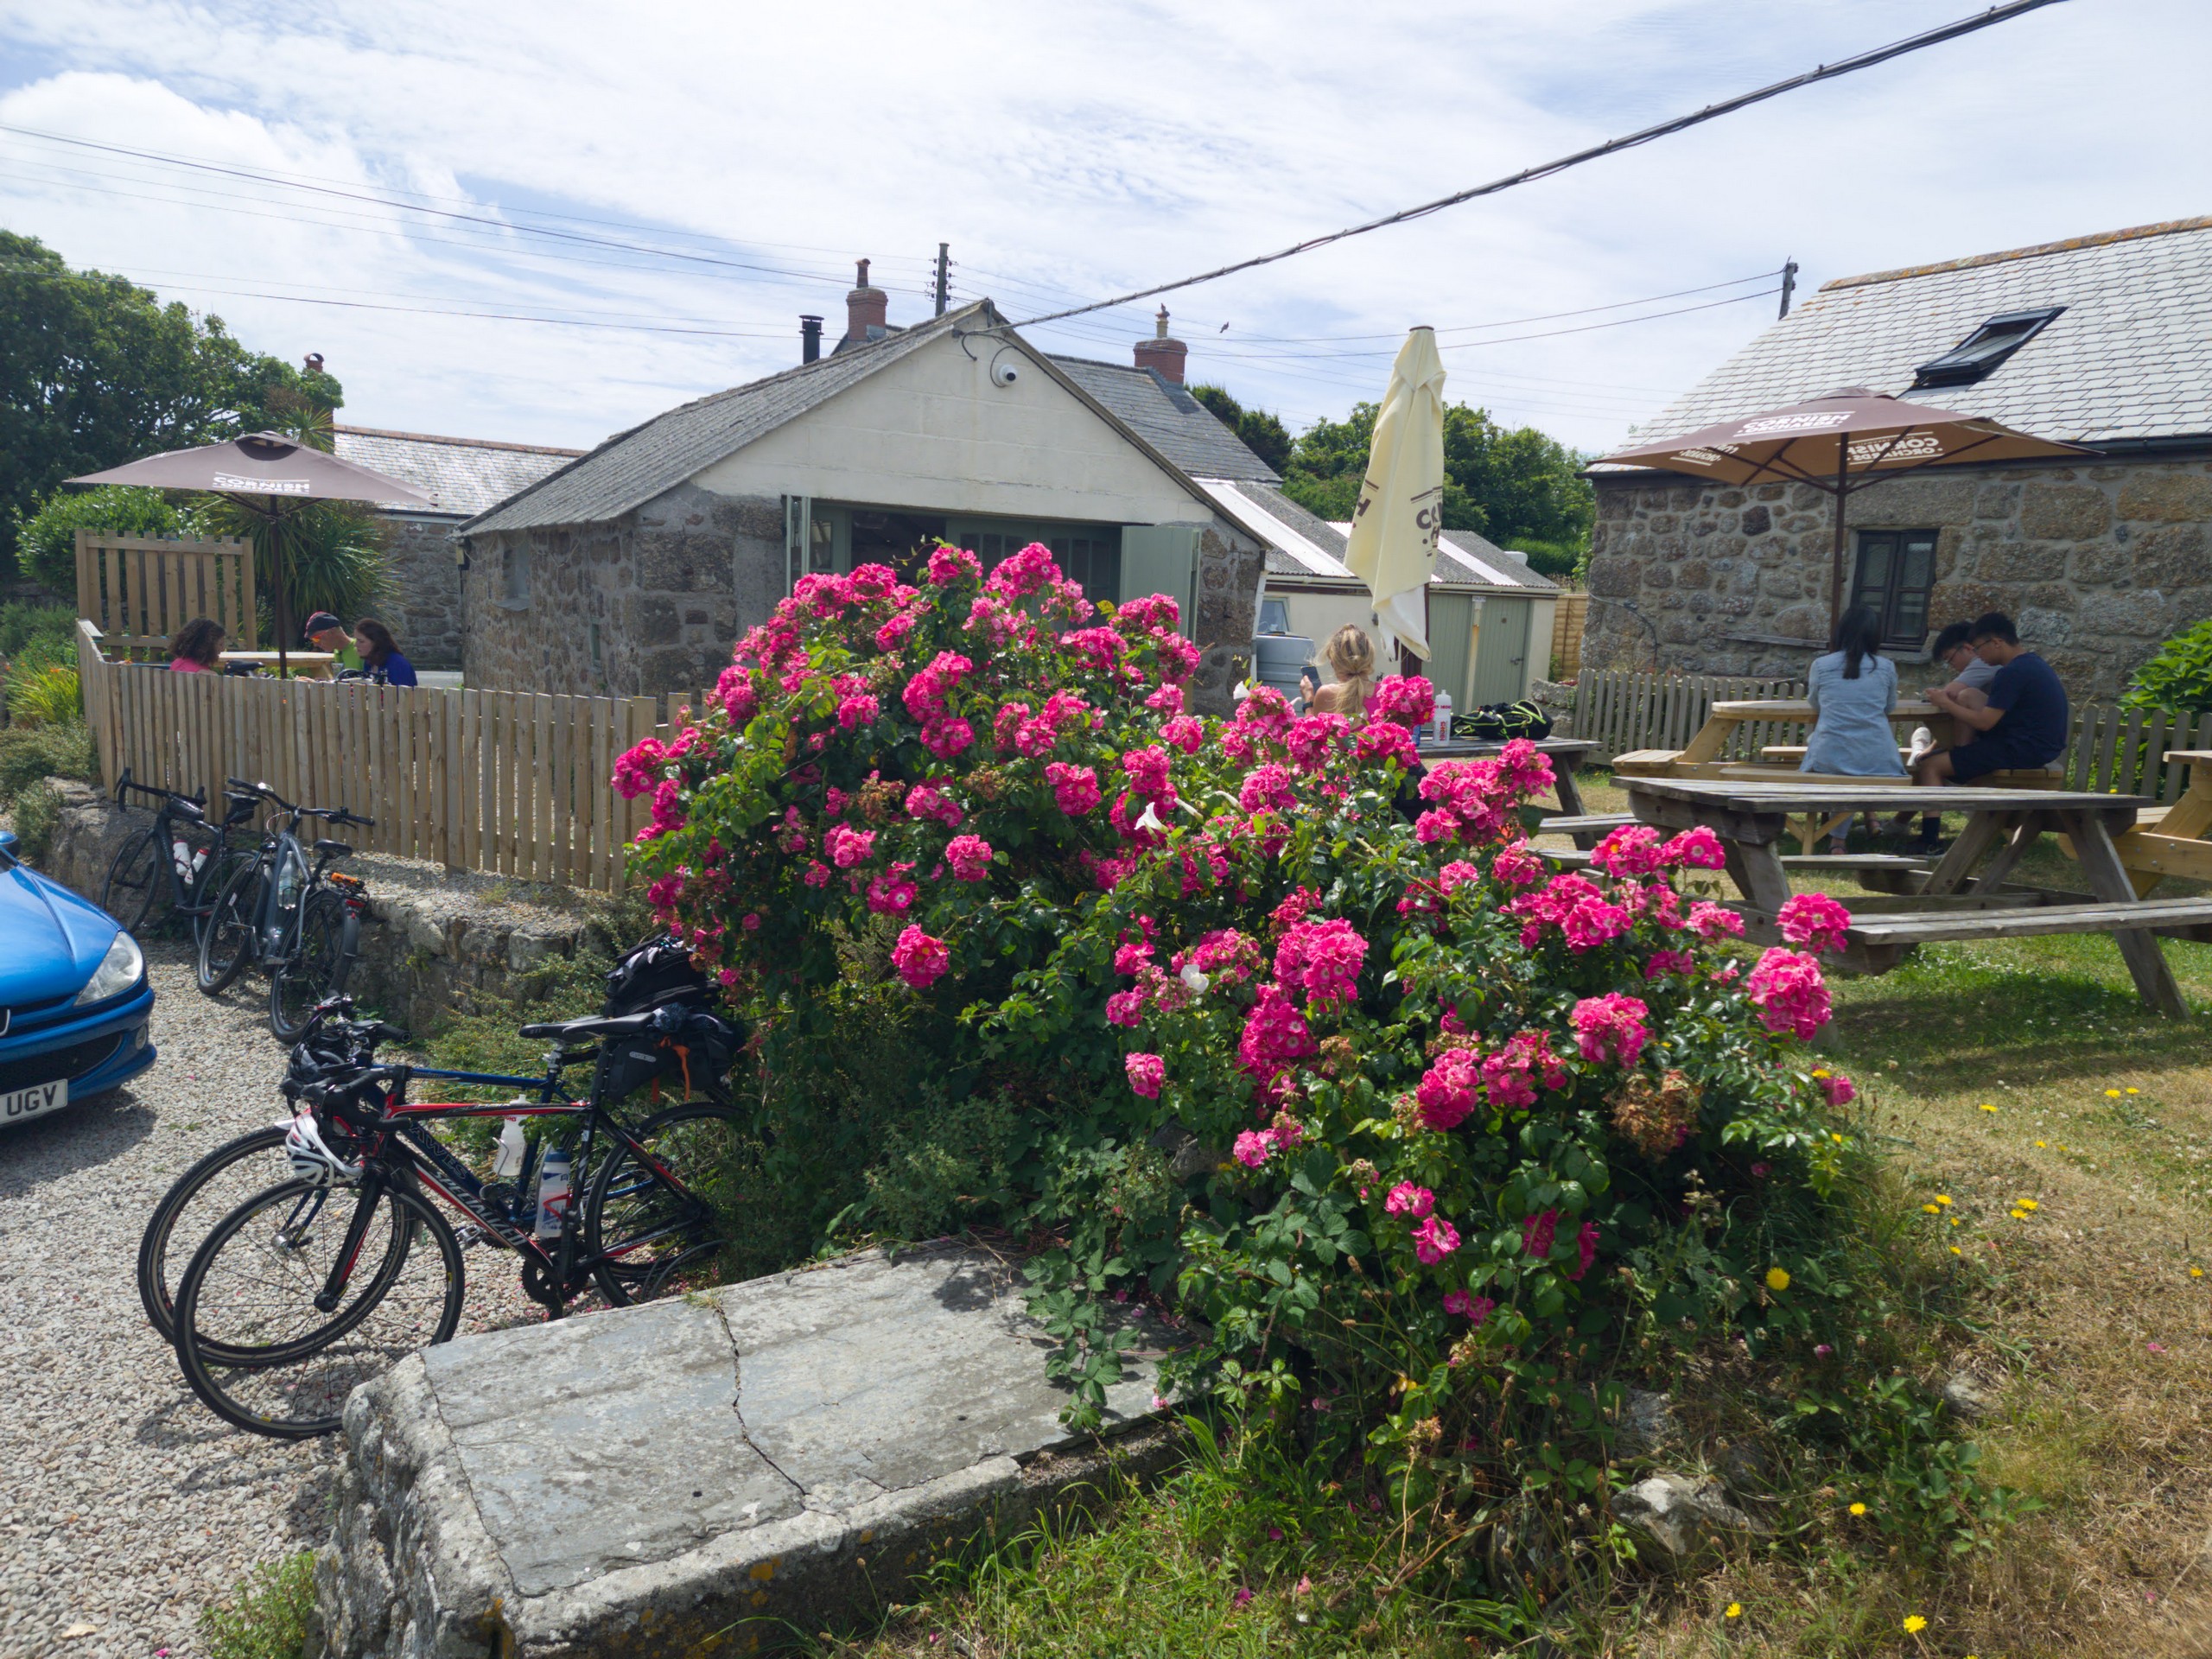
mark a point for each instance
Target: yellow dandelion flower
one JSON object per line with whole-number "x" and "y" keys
{"x": 1933, "y": 1209}
{"x": 1956, "y": 1222}
{"x": 1942, "y": 1197}
{"x": 2111, "y": 1094}
{"x": 2135, "y": 1091}
{"x": 1955, "y": 1250}
{"x": 2040, "y": 1145}
{"x": 1858, "y": 1508}
{"x": 1833, "y": 1136}
{"x": 2018, "y": 1215}
{"x": 1735, "y": 1609}
{"x": 1914, "y": 1624}
{"x": 1987, "y": 1107}
{"x": 1778, "y": 1279}
{"x": 2196, "y": 1273}
{"x": 2027, "y": 1204}
{"x": 1821, "y": 1074}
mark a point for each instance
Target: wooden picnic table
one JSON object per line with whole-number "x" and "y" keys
{"x": 1953, "y": 900}
{"x": 1565, "y": 752}
{"x": 1703, "y": 756}
{"x": 304, "y": 664}
{"x": 2169, "y": 840}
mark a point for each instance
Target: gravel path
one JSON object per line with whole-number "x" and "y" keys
{"x": 124, "y": 1505}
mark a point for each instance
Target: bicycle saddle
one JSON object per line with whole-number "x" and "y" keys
{"x": 333, "y": 849}
{"x": 592, "y": 1027}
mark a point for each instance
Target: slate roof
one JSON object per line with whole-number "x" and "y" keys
{"x": 1462, "y": 558}
{"x": 631, "y": 467}
{"x": 2131, "y": 359}
{"x": 460, "y": 475}
{"x": 1168, "y": 418}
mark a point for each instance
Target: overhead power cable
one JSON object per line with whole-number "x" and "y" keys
{"x": 1995, "y": 15}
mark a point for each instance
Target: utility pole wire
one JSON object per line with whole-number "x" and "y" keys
{"x": 2001, "y": 14}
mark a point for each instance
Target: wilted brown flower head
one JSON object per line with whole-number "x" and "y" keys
{"x": 1655, "y": 1117}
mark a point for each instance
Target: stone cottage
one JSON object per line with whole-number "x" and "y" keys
{"x": 2102, "y": 341}
{"x": 462, "y": 477}
{"x": 633, "y": 568}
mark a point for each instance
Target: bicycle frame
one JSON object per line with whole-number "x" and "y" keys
{"x": 422, "y": 1159}
{"x": 195, "y": 897}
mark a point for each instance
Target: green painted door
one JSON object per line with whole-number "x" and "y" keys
{"x": 1450, "y": 625}
{"x": 1501, "y": 651}
{"x": 1163, "y": 559}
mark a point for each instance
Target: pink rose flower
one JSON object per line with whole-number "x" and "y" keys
{"x": 1789, "y": 993}
{"x": 1610, "y": 1027}
{"x": 969, "y": 857}
{"x": 1435, "y": 1239}
{"x": 1812, "y": 919}
{"x": 920, "y": 960}
{"x": 1147, "y": 1072}
{"x": 1407, "y": 1199}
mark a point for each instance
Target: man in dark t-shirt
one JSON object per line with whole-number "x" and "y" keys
{"x": 2021, "y": 727}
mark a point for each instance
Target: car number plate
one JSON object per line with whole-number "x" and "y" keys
{"x": 20, "y": 1104}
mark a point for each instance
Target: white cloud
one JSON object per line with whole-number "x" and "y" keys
{"x": 1065, "y": 153}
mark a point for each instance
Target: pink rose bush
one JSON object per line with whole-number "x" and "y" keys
{"x": 1393, "y": 1035}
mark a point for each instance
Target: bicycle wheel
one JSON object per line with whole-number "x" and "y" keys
{"x": 316, "y": 968}
{"x": 228, "y": 942}
{"x": 651, "y": 1227}
{"x": 252, "y": 1344}
{"x": 221, "y": 870}
{"x": 136, "y": 890}
{"x": 200, "y": 1197}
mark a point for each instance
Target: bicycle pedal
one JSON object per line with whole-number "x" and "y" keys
{"x": 470, "y": 1235}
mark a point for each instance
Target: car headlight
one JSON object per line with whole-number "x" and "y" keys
{"x": 119, "y": 972}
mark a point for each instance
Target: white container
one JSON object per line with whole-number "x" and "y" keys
{"x": 506, "y": 1162}
{"x": 552, "y": 1192}
{"x": 1443, "y": 716}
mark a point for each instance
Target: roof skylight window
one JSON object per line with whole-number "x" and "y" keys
{"x": 1981, "y": 353}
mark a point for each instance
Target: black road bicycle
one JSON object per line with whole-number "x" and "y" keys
{"x": 318, "y": 1283}
{"x": 301, "y": 922}
{"x": 177, "y": 867}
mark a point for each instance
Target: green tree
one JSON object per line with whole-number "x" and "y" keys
{"x": 46, "y": 546}
{"x": 95, "y": 371}
{"x": 1515, "y": 485}
{"x": 1263, "y": 434}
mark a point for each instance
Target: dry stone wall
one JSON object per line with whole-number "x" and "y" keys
{"x": 422, "y": 602}
{"x": 2097, "y": 563}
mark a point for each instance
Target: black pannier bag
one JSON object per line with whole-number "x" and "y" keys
{"x": 652, "y": 974}
{"x": 687, "y": 1059}
{"x": 1499, "y": 722}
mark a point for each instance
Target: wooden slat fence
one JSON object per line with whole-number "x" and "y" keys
{"x": 1622, "y": 710}
{"x": 1569, "y": 611}
{"x": 139, "y": 591}
{"x": 513, "y": 782}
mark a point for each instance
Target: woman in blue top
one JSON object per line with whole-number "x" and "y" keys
{"x": 1852, "y": 690}
{"x": 380, "y": 654}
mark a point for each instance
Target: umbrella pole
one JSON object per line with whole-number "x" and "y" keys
{"x": 1835, "y": 556}
{"x": 277, "y": 575}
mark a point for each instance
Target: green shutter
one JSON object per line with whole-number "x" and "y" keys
{"x": 1163, "y": 559}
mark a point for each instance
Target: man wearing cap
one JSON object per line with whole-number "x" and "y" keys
{"x": 326, "y": 633}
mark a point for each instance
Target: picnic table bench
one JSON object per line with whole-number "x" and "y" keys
{"x": 1962, "y": 897}
{"x": 2169, "y": 840}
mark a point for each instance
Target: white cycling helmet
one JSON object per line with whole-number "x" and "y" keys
{"x": 311, "y": 1157}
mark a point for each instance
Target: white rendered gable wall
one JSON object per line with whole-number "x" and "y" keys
{"x": 933, "y": 433}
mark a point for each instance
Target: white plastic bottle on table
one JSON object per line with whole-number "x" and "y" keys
{"x": 1443, "y": 716}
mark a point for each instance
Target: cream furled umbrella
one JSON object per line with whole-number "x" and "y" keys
{"x": 1394, "y": 528}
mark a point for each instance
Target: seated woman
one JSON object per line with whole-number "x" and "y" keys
{"x": 1852, "y": 690}
{"x": 1351, "y": 658}
{"x": 197, "y": 647}
{"x": 380, "y": 654}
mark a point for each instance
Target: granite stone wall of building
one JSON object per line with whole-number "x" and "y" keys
{"x": 422, "y": 601}
{"x": 2098, "y": 563}
{"x": 651, "y": 601}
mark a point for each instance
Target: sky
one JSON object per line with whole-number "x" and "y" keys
{"x": 546, "y": 224}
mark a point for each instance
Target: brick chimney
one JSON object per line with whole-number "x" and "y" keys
{"x": 1163, "y": 351}
{"x": 865, "y": 309}
{"x": 313, "y": 363}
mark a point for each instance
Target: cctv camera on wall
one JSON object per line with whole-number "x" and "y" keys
{"x": 1005, "y": 370}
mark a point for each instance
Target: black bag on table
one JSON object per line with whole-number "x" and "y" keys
{"x": 1499, "y": 722}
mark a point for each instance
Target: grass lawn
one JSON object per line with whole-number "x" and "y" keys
{"x": 1996, "y": 1073}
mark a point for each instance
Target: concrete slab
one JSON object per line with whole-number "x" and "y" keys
{"x": 714, "y": 1471}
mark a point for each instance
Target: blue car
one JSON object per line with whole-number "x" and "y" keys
{"x": 75, "y": 1002}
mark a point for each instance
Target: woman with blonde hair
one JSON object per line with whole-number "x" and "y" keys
{"x": 1351, "y": 657}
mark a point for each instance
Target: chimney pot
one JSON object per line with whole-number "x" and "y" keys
{"x": 867, "y": 312}
{"x": 1163, "y": 351}
{"x": 810, "y": 338}
{"x": 313, "y": 362}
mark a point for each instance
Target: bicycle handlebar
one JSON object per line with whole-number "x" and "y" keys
{"x": 154, "y": 790}
{"x": 329, "y": 814}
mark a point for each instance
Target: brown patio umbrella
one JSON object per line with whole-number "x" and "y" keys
{"x": 1839, "y": 443}
{"x": 262, "y": 473}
